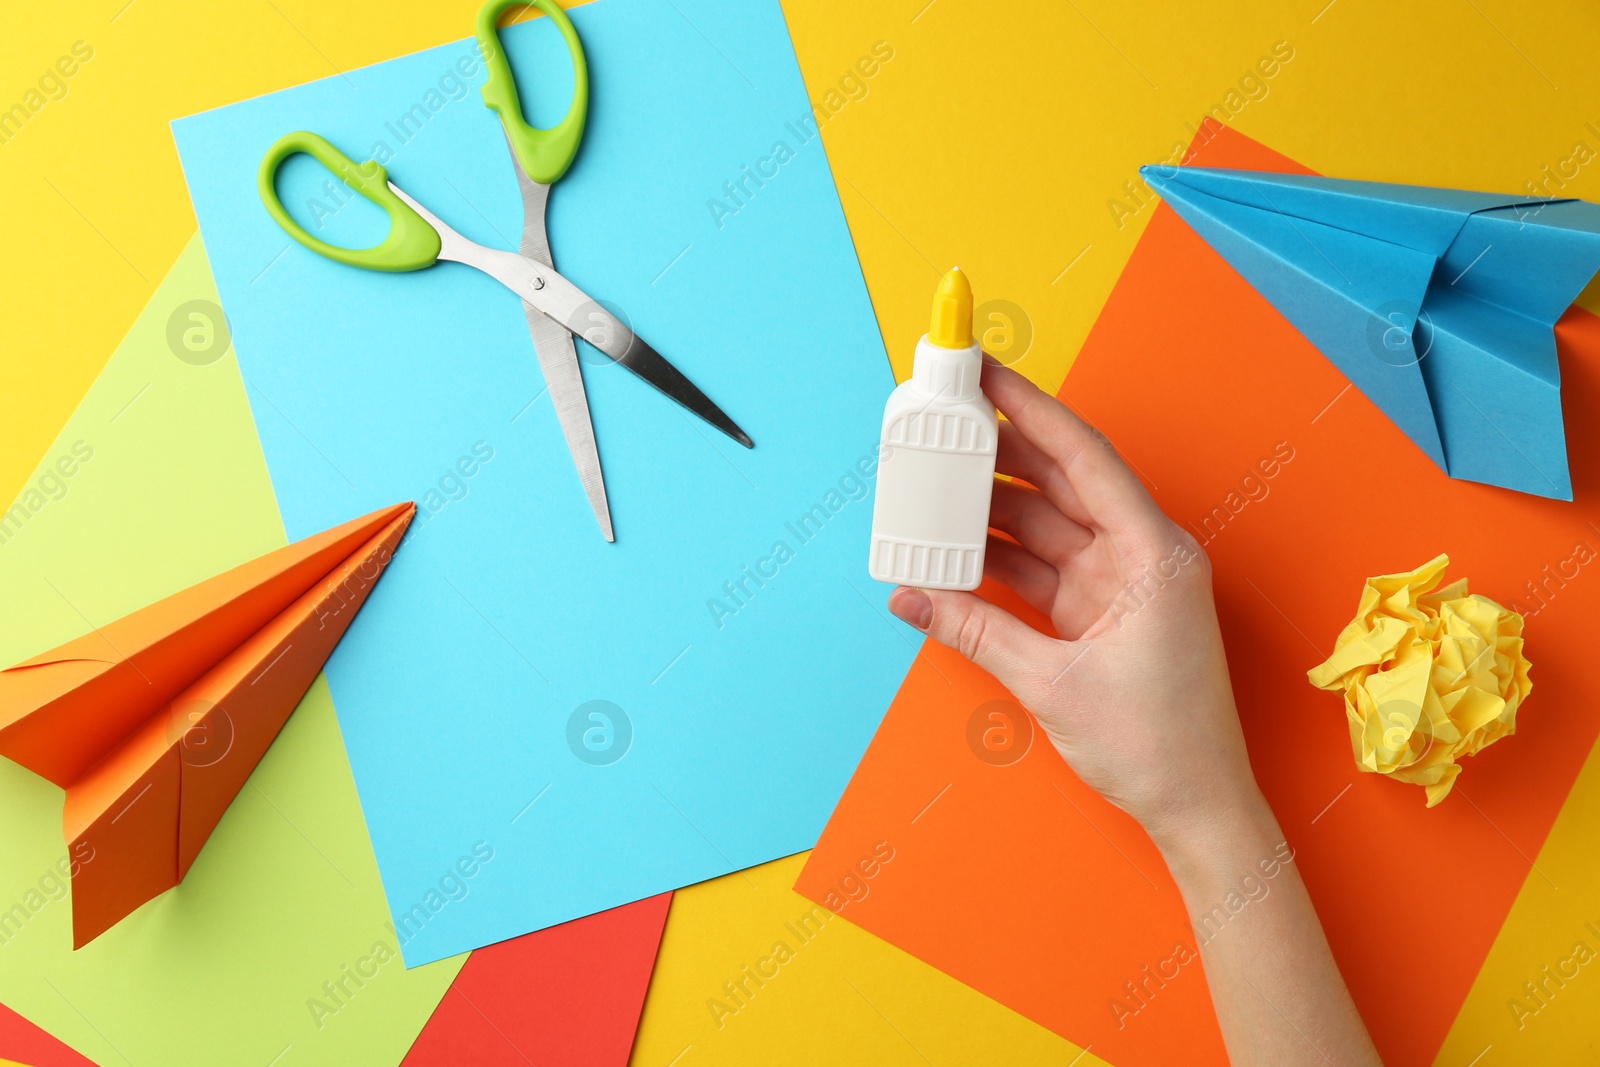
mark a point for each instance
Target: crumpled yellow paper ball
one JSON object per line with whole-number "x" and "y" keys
{"x": 1428, "y": 676}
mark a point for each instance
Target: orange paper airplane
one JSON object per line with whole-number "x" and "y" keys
{"x": 152, "y": 723}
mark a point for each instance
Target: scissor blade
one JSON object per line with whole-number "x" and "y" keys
{"x": 589, "y": 319}
{"x": 598, "y": 326}
{"x": 558, "y": 360}
{"x": 549, "y": 294}
{"x": 653, "y": 367}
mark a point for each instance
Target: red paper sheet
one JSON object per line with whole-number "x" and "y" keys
{"x": 1018, "y": 880}
{"x": 24, "y": 1043}
{"x": 567, "y": 996}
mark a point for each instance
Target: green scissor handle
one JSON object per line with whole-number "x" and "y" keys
{"x": 411, "y": 245}
{"x": 544, "y": 155}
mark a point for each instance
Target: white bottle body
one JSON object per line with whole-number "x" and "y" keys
{"x": 930, "y": 515}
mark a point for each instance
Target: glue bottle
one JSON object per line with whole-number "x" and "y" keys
{"x": 930, "y": 516}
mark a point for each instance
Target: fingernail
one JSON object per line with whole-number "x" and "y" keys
{"x": 987, "y": 358}
{"x": 912, "y": 606}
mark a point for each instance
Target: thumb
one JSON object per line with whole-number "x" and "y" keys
{"x": 1019, "y": 656}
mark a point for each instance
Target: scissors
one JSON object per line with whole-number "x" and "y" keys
{"x": 556, "y": 310}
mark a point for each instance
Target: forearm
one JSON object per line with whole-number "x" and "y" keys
{"x": 1278, "y": 994}
{"x": 1139, "y": 705}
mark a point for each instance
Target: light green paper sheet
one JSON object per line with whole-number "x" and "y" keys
{"x": 229, "y": 967}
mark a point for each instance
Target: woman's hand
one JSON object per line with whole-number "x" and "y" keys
{"x": 1135, "y": 692}
{"x": 1135, "y": 695}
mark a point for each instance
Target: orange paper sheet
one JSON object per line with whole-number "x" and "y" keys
{"x": 1014, "y": 877}
{"x": 152, "y": 723}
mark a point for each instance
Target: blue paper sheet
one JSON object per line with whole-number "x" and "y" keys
{"x": 578, "y": 724}
{"x": 1437, "y": 303}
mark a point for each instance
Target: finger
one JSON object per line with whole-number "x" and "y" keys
{"x": 1083, "y": 580}
{"x": 1018, "y": 457}
{"x": 999, "y": 642}
{"x": 1030, "y": 577}
{"x": 1109, "y": 491}
{"x": 1037, "y": 524}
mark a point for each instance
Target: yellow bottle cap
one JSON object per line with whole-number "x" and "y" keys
{"x": 952, "y": 311}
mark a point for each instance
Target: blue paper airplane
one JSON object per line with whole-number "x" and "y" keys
{"x": 1439, "y": 304}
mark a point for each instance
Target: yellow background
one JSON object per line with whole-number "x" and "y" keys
{"x": 843, "y": 998}
{"x": 995, "y": 138}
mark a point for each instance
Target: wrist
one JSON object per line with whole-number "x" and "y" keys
{"x": 1215, "y": 846}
